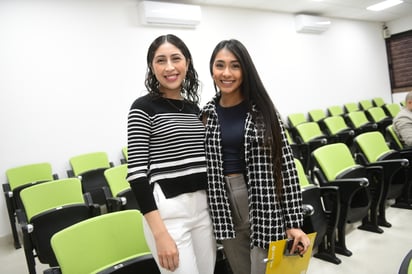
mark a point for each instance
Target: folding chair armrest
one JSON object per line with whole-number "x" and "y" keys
{"x": 21, "y": 217}
{"x": 94, "y": 208}
{"x": 318, "y": 141}
{"x": 70, "y": 173}
{"x": 347, "y": 187}
{"x": 373, "y": 169}
{"x": 115, "y": 203}
{"x": 393, "y": 164}
{"x": 55, "y": 176}
{"x": 6, "y": 188}
{"x": 26, "y": 228}
{"x": 107, "y": 192}
{"x": 326, "y": 190}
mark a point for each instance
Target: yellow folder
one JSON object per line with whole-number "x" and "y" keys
{"x": 279, "y": 263}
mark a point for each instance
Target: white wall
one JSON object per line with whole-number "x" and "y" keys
{"x": 70, "y": 70}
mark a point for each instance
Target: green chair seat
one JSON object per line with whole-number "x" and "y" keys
{"x": 365, "y": 104}
{"x": 392, "y": 109}
{"x": 295, "y": 119}
{"x": 89, "y": 161}
{"x": 335, "y": 110}
{"x": 50, "y": 195}
{"x": 351, "y": 107}
{"x": 378, "y": 102}
{"x": 316, "y": 115}
{"x": 96, "y": 243}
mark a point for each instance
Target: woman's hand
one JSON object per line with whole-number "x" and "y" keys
{"x": 166, "y": 247}
{"x": 301, "y": 241}
{"x": 167, "y": 251}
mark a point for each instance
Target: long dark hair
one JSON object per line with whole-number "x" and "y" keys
{"x": 254, "y": 92}
{"x": 190, "y": 84}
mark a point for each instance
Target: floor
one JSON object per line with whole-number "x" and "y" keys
{"x": 372, "y": 253}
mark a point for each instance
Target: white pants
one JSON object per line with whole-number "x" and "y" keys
{"x": 188, "y": 221}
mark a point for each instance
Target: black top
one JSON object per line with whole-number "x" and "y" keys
{"x": 232, "y": 124}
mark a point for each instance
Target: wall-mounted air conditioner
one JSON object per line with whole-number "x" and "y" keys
{"x": 169, "y": 14}
{"x": 311, "y": 24}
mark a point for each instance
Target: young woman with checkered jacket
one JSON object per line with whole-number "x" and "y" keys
{"x": 253, "y": 188}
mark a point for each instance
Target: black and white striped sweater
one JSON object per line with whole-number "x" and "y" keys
{"x": 165, "y": 146}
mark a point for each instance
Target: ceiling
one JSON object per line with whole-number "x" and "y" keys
{"x": 347, "y": 9}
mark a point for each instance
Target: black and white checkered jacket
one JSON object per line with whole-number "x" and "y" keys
{"x": 269, "y": 216}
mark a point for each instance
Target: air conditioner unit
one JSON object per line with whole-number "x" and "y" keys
{"x": 170, "y": 14}
{"x": 311, "y": 24}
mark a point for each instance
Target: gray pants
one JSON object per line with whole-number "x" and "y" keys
{"x": 242, "y": 259}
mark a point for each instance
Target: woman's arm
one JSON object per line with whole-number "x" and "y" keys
{"x": 167, "y": 251}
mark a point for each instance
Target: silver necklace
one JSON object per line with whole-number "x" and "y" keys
{"x": 174, "y": 106}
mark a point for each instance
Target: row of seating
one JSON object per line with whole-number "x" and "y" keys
{"x": 36, "y": 198}
{"x": 355, "y": 187}
{"x": 50, "y": 205}
{"x": 355, "y": 115}
{"x": 352, "y": 181}
{"x": 338, "y": 124}
{"x": 315, "y": 115}
{"x": 326, "y": 242}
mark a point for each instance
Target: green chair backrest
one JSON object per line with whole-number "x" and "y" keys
{"x": 358, "y": 118}
{"x": 393, "y": 109}
{"x": 335, "y": 110}
{"x": 365, "y": 104}
{"x": 333, "y": 159}
{"x": 99, "y": 241}
{"x": 89, "y": 161}
{"x": 116, "y": 178}
{"x": 303, "y": 179}
{"x": 316, "y": 115}
{"x": 309, "y": 131}
{"x": 378, "y": 102}
{"x": 295, "y": 119}
{"x": 351, "y": 107}
{"x": 394, "y": 136}
{"x": 124, "y": 152}
{"x": 377, "y": 114}
{"x": 54, "y": 194}
{"x": 335, "y": 124}
{"x": 373, "y": 145}
{"x": 22, "y": 175}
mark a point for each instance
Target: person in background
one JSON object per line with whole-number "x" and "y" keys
{"x": 402, "y": 123}
{"x": 254, "y": 193}
{"x": 166, "y": 162}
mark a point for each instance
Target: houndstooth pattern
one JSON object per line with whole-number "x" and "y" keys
{"x": 269, "y": 216}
